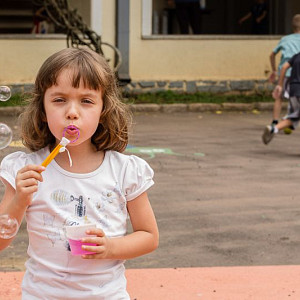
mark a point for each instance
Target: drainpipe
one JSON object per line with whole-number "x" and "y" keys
{"x": 122, "y": 39}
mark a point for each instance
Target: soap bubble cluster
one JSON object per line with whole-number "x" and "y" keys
{"x": 5, "y": 93}
{"x": 8, "y": 227}
{"x": 5, "y": 135}
{"x": 5, "y": 131}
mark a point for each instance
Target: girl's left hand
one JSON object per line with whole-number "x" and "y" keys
{"x": 103, "y": 247}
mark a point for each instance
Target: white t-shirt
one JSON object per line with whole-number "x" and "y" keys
{"x": 66, "y": 198}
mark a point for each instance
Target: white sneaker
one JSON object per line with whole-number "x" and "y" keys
{"x": 268, "y": 134}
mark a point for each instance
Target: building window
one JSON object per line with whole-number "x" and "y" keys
{"x": 221, "y": 17}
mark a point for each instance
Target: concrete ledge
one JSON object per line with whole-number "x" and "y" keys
{"x": 145, "y": 107}
{"x": 178, "y": 107}
{"x": 194, "y": 107}
{"x": 239, "y": 106}
{"x": 10, "y": 111}
{"x": 266, "y": 106}
{"x": 171, "y": 108}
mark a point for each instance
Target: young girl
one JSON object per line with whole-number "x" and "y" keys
{"x": 76, "y": 89}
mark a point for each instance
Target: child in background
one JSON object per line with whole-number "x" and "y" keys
{"x": 289, "y": 45}
{"x": 41, "y": 21}
{"x": 188, "y": 15}
{"x": 258, "y": 14}
{"x": 293, "y": 116}
{"x": 77, "y": 88}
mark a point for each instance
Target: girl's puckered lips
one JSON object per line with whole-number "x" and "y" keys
{"x": 72, "y": 130}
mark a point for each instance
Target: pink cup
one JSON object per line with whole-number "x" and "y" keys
{"x": 76, "y": 248}
{"x": 74, "y": 235}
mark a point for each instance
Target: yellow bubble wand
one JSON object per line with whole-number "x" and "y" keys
{"x": 63, "y": 143}
{"x": 61, "y": 147}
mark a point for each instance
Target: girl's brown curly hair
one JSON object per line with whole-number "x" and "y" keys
{"x": 95, "y": 73}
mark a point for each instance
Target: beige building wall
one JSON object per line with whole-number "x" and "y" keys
{"x": 83, "y": 7}
{"x": 108, "y": 20}
{"x": 172, "y": 58}
{"x": 20, "y": 58}
{"x": 195, "y": 58}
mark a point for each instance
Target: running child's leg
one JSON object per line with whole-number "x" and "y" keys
{"x": 271, "y": 130}
{"x": 278, "y": 101}
{"x": 276, "y": 110}
{"x": 283, "y": 124}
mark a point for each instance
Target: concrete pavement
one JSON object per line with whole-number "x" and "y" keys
{"x": 227, "y": 207}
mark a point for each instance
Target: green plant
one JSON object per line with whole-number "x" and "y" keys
{"x": 167, "y": 97}
{"x": 15, "y": 100}
{"x": 172, "y": 97}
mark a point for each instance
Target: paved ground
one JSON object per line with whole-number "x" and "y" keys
{"x": 221, "y": 198}
{"x": 217, "y": 283}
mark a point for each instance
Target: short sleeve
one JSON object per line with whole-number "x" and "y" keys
{"x": 278, "y": 47}
{"x": 138, "y": 177}
{"x": 10, "y": 166}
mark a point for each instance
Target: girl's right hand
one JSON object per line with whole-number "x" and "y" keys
{"x": 27, "y": 183}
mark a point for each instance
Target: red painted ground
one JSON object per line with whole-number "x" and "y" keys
{"x": 220, "y": 283}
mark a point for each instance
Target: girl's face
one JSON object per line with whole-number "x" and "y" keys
{"x": 66, "y": 105}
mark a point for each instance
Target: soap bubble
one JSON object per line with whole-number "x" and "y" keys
{"x": 5, "y": 135}
{"x": 8, "y": 227}
{"x": 5, "y": 93}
